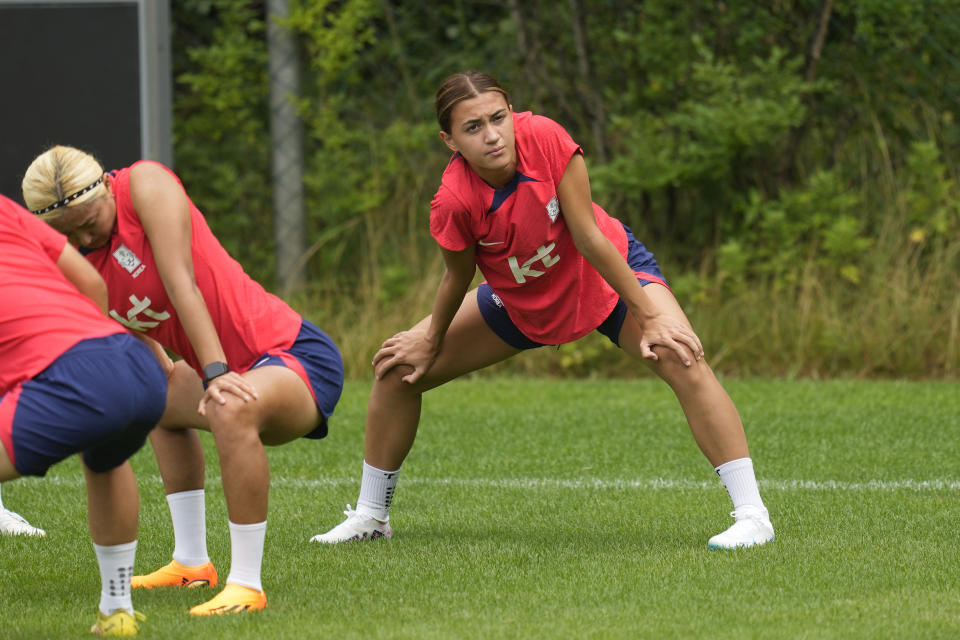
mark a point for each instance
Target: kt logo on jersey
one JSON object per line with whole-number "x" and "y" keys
{"x": 523, "y": 271}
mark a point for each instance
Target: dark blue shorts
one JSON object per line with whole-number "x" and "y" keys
{"x": 495, "y": 314}
{"x": 100, "y": 397}
{"x": 315, "y": 358}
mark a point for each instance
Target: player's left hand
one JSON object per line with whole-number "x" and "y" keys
{"x": 673, "y": 333}
{"x": 231, "y": 383}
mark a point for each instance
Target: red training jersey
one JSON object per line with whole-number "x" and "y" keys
{"x": 523, "y": 246}
{"x": 248, "y": 320}
{"x": 42, "y": 314}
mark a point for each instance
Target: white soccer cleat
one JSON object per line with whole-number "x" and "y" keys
{"x": 752, "y": 528}
{"x": 13, "y": 524}
{"x": 357, "y": 526}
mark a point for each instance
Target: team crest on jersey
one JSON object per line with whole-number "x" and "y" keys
{"x": 128, "y": 260}
{"x": 553, "y": 209}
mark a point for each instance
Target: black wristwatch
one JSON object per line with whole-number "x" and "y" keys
{"x": 214, "y": 370}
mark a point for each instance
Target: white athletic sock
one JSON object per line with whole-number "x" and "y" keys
{"x": 1, "y": 501}
{"x": 246, "y": 554}
{"x": 741, "y": 483}
{"x": 189, "y": 515}
{"x": 116, "y": 567}
{"x": 376, "y": 492}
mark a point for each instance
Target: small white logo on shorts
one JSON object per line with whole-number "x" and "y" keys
{"x": 128, "y": 260}
{"x": 496, "y": 300}
{"x": 553, "y": 209}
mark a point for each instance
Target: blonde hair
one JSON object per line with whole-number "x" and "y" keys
{"x": 61, "y": 177}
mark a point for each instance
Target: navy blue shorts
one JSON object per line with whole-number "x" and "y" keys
{"x": 315, "y": 358}
{"x": 495, "y": 314}
{"x": 100, "y": 397}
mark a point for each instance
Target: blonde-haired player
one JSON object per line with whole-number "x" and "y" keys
{"x": 254, "y": 372}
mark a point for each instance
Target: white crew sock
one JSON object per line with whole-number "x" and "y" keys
{"x": 376, "y": 492}
{"x": 1, "y": 501}
{"x": 246, "y": 553}
{"x": 741, "y": 483}
{"x": 189, "y": 515}
{"x": 116, "y": 567}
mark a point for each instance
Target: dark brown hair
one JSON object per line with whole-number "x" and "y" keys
{"x": 463, "y": 86}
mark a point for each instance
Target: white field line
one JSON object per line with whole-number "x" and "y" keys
{"x": 592, "y": 484}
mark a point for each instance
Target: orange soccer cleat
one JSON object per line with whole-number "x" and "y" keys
{"x": 177, "y": 575}
{"x": 233, "y": 599}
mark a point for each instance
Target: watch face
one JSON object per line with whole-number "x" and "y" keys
{"x": 215, "y": 369}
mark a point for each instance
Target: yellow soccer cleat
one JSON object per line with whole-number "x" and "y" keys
{"x": 119, "y": 624}
{"x": 233, "y": 599}
{"x": 177, "y": 575}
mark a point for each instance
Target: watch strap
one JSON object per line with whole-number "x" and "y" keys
{"x": 214, "y": 370}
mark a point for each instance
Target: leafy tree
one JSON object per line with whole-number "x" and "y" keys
{"x": 756, "y": 146}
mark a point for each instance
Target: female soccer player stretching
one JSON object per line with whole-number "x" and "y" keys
{"x": 74, "y": 381}
{"x": 253, "y": 373}
{"x": 515, "y": 201}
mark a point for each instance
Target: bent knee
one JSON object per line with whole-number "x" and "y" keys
{"x": 392, "y": 381}
{"x": 669, "y": 367}
{"x": 233, "y": 418}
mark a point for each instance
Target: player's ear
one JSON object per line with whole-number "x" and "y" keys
{"x": 108, "y": 181}
{"x": 448, "y": 140}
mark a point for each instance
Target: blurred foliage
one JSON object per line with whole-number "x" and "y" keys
{"x": 221, "y": 124}
{"x": 772, "y": 154}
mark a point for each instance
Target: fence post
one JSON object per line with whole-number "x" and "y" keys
{"x": 286, "y": 137}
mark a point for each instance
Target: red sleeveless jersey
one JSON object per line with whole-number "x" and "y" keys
{"x": 523, "y": 246}
{"x": 42, "y": 314}
{"x": 248, "y": 320}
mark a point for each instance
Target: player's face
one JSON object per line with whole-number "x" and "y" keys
{"x": 481, "y": 129}
{"x": 89, "y": 225}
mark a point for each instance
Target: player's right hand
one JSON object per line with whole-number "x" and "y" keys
{"x": 411, "y": 348}
{"x": 229, "y": 383}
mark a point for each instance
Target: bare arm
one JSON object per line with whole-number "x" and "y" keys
{"x": 83, "y": 275}
{"x": 460, "y": 268}
{"x": 164, "y": 213}
{"x": 417, "y": 348}
{"x": 576, "y": 203}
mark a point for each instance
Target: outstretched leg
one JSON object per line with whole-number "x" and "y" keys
{"x": 393, "y": 415}
{"x": 715, "y": 425}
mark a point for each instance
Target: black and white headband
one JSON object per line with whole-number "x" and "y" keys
{"x": 68, "y": 199}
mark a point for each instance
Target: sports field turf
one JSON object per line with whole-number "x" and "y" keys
{"x": 562, "y": 509}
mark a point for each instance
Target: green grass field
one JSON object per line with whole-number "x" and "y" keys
{"x": 562, "y": 509}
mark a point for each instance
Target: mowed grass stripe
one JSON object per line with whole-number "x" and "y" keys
{"x": 588, "y": 484}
